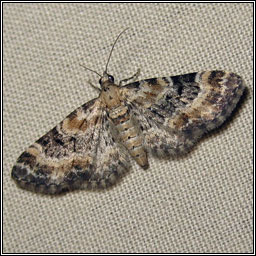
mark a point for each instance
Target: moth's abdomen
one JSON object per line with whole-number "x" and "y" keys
{"x": 129, "y": 134}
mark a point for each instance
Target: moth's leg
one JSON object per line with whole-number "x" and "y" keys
{"x": 134, "y": 77}
{"x": 93, "y": 86}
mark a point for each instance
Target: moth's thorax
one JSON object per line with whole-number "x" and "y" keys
{"x": 110, "y": 94}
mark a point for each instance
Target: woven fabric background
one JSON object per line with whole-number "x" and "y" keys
{"x": 200, "y": 203}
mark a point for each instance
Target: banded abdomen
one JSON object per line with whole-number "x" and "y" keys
{"x": 129, "y": 133}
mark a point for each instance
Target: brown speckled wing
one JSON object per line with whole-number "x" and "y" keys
{"x": 174, "y": 112}
{"x": 80, "y": 152}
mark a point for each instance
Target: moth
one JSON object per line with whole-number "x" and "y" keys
{"x": 92, "y": 146}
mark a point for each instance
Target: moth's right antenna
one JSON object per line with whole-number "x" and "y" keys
{"x": 113, "y": 48}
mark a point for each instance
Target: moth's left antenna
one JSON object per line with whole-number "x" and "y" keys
{"x": 90, "y": 70}
{"x": 113, "y": 48}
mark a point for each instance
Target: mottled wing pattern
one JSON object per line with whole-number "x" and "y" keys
{"x": 174, "y": 112}
{"x": 80, "y": 152}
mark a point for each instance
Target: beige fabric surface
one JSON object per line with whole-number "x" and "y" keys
{"x": 199, "y": 203}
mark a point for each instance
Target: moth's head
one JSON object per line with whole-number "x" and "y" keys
{"x": 106, "y": 79}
